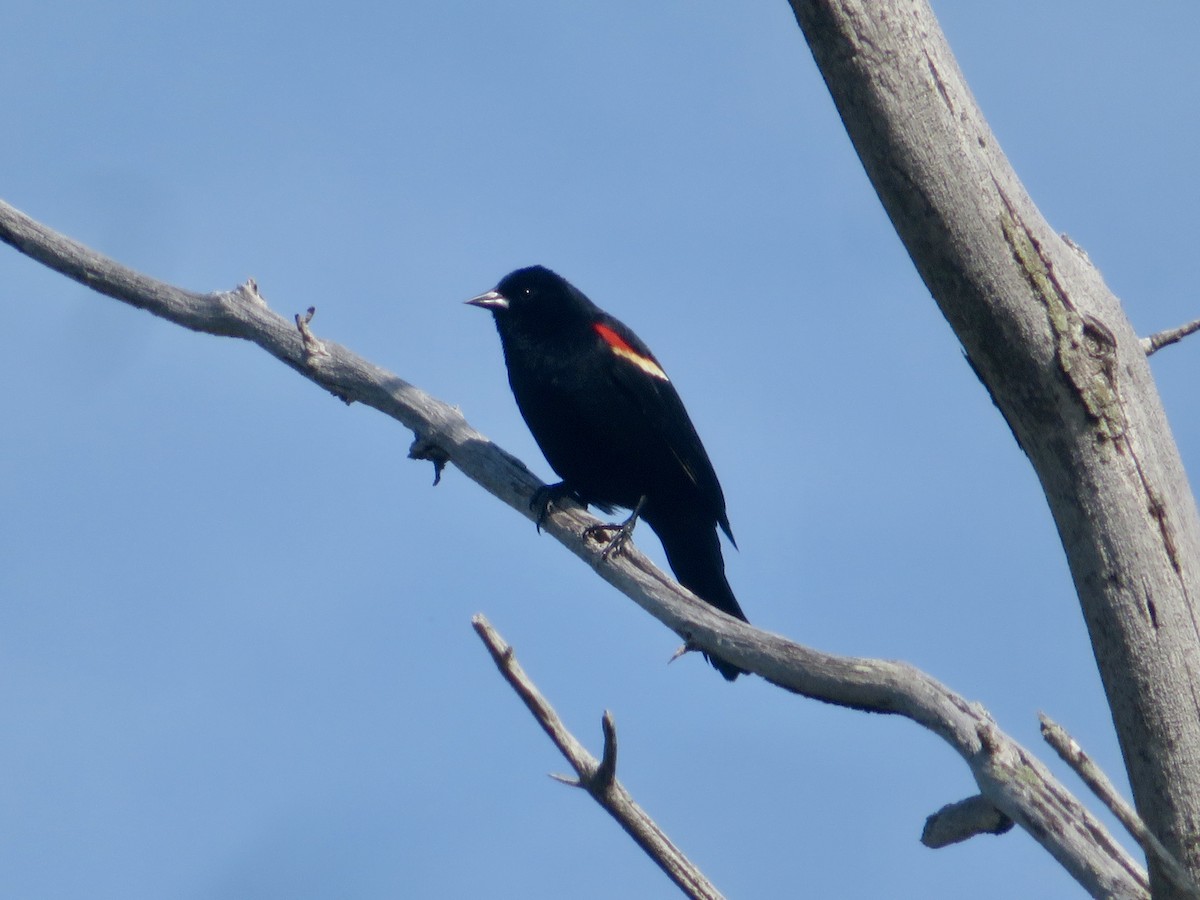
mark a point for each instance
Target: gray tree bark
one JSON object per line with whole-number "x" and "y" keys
{"x": 1064, "y": 366}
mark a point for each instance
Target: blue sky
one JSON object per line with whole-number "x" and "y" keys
{"x": 235, "y": 651}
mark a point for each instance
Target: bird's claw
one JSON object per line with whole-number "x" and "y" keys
{"x": 616, "y": 543}
{"x": 624, "y": 531}
{"x": 544, "y": 497}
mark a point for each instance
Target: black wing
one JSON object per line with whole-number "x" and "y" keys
{"x": 641, "y": 377}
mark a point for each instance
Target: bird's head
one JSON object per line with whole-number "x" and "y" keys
{"x": 535, "y": 298}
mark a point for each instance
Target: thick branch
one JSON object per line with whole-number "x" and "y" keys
{"x": 1010, "y": 778}
{"x": 1063, "y": 365}
{"x": 598, "y": 778}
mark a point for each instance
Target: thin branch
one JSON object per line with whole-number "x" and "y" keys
{"x": 1093, "y": 776}
{"x": 598, "y": 778}
{"x": 1156, "y": 342}
{"x": 1012, "y": 779}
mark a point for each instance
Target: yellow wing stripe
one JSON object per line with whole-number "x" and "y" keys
{"x": 622, "y": 349}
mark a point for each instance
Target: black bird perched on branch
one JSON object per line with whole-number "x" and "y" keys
{"x": 611, "y": 424}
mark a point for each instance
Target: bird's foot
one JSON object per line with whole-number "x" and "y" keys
{"x": 547, "y": 495}
{"x": 728, "y": 670}
{"x": 623, "y": 532}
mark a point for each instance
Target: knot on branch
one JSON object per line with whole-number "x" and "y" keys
{"x": 1084, "y": 346}
{"x": 957, "y": 822}
{"x": 425, "y": 448}
{"x": 248, "y": 293}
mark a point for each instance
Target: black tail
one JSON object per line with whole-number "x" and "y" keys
{"x": 694, "y": 551}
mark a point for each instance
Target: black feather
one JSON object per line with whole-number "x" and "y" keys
{"x": 611, "y": 424}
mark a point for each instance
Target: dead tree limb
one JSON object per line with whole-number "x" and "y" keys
{"x": 1010, "y": 777}
{"x": 1093, "y": 776}
{"x": 1161, "y": 339}
{"x": 1063, "y": 365}
{"x": 597, "y": 777}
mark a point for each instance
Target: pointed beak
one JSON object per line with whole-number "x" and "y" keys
{"x": 491, "y": 300}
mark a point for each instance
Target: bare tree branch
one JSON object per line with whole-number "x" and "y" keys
{"x": 1093, "y": 776}
{"x": 598, "y": 778}
{"x": 1010, "y": 777}
{"x": 1161, "y": 339}
{"x": 1063, "y": 365}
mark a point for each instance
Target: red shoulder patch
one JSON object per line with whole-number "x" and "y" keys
{"x": 621, "y": 348}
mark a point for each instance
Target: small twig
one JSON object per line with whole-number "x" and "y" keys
{"x": 597, "y": 778}
{"x": 606, "y": 772}
{"x": 315, "y": 352}
{"x": 1074, "y": 756}
{"x": 963, "y": 820}
{"x": 312, "y": 347}
{"x": 684, "y": 650}
{"x": 1157, "y": 341}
